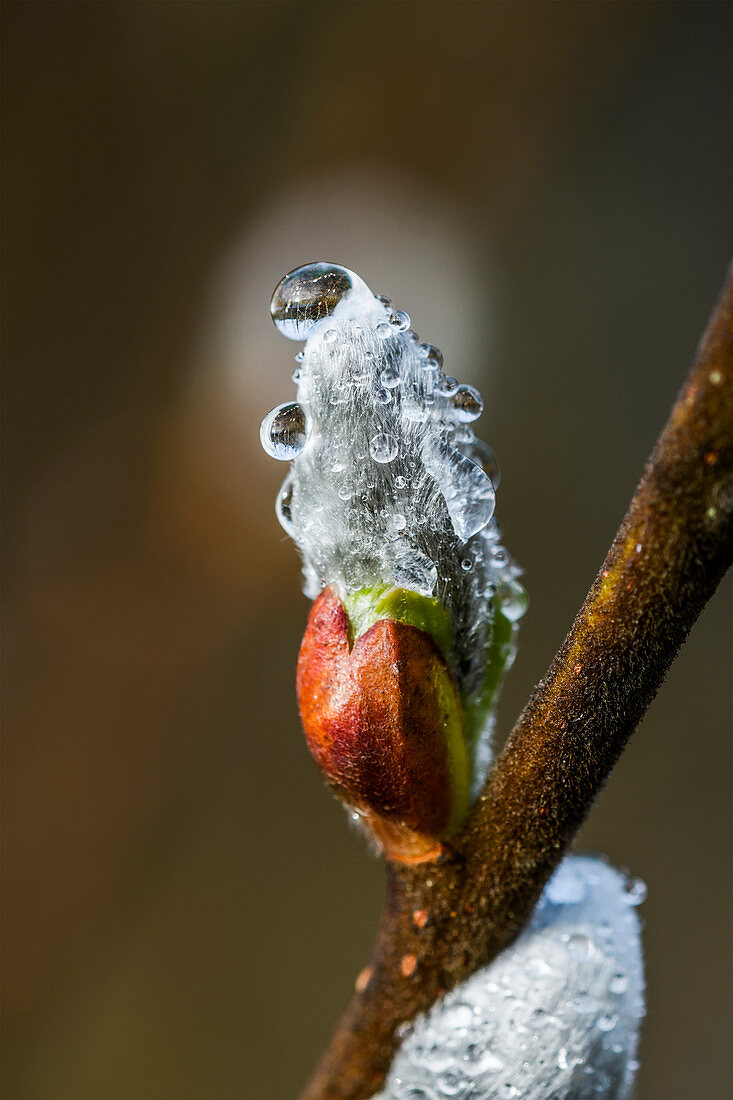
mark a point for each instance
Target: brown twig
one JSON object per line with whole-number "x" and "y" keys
{"x": 444, "y": 920}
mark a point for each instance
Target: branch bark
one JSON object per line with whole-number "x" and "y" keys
{"x": 444, "y": 920}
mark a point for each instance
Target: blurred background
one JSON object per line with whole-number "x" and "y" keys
{"x": 545, "y": 187}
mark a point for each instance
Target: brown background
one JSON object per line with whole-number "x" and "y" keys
{"x": 546, "y": 188}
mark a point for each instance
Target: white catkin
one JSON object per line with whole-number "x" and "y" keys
{"x": 555, "y": 1017}
{"x": 388, "y": 483}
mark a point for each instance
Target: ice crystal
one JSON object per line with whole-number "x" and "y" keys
{"x": 555, "y": 1017}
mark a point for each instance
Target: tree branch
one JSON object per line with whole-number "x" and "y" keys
{"x": 444, "y": 920}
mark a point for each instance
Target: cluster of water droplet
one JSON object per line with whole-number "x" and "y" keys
{"x": 388, "y": 484}
{"x": 555, "y": 1017}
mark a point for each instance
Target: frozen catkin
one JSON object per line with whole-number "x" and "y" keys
{"x": 390, "y": 495}
{"x": 555, "y": 1017}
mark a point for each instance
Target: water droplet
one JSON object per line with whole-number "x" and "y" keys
{"x": 607, "y": 1022}
{"x": 437, "y": 1058}
{"x": 382, "y": 397}
{"x": 635, "y": 891}
{"x": 433, "y": 356}
{"x": 451, "y": 1083}
{"x": 513, "y": 601}
{"x": 345, "y": 492}
{"x": 399, "y": 482}
{"x": 384, "y": 329}
{"x": 284, "y": 431}
{"x": 482, "y": 454}
{"x": 499, "y": 557}
{"x": 329, "y": 336}
{"x": 579, "y": 946}
{"x": 400, "y": 320}
{"x": 467, "y": 403}
{"x": 447, "y": 385}
{"x": 467, "y": 491}
{"x": 619, "y": 983}
{"x": 390, "y": 377}
{"x": 568, "y": 1059}
{"x": 383, "y": 447}
{"x": 296, "y": 375}
{"x": 479, "y": 1058}
{"x": 464, "y": 437}
{"x": 415, "y": 1092}
{"x": 308, "y": 294}
{"x": 398, "y": 521}
{"x": 284, "y": 506}
{"x": 384, "y": 300}
{"x": 457, "y": 1015}
{"x": 466, "y": 565}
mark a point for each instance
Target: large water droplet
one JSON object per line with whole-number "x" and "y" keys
{"x": 467, "y": 491}
{"x": 383, "y": 447}
{"x": 482, "y": 454}
{"x": 284, "y": 431}
{"x": 308, "y": 294}
{"x": 467, "y": 403}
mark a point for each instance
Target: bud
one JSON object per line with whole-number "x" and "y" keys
{"x": 571, "y": 1026}
{"x": 384, "y": 722}
{"x": 390, "y": 500}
